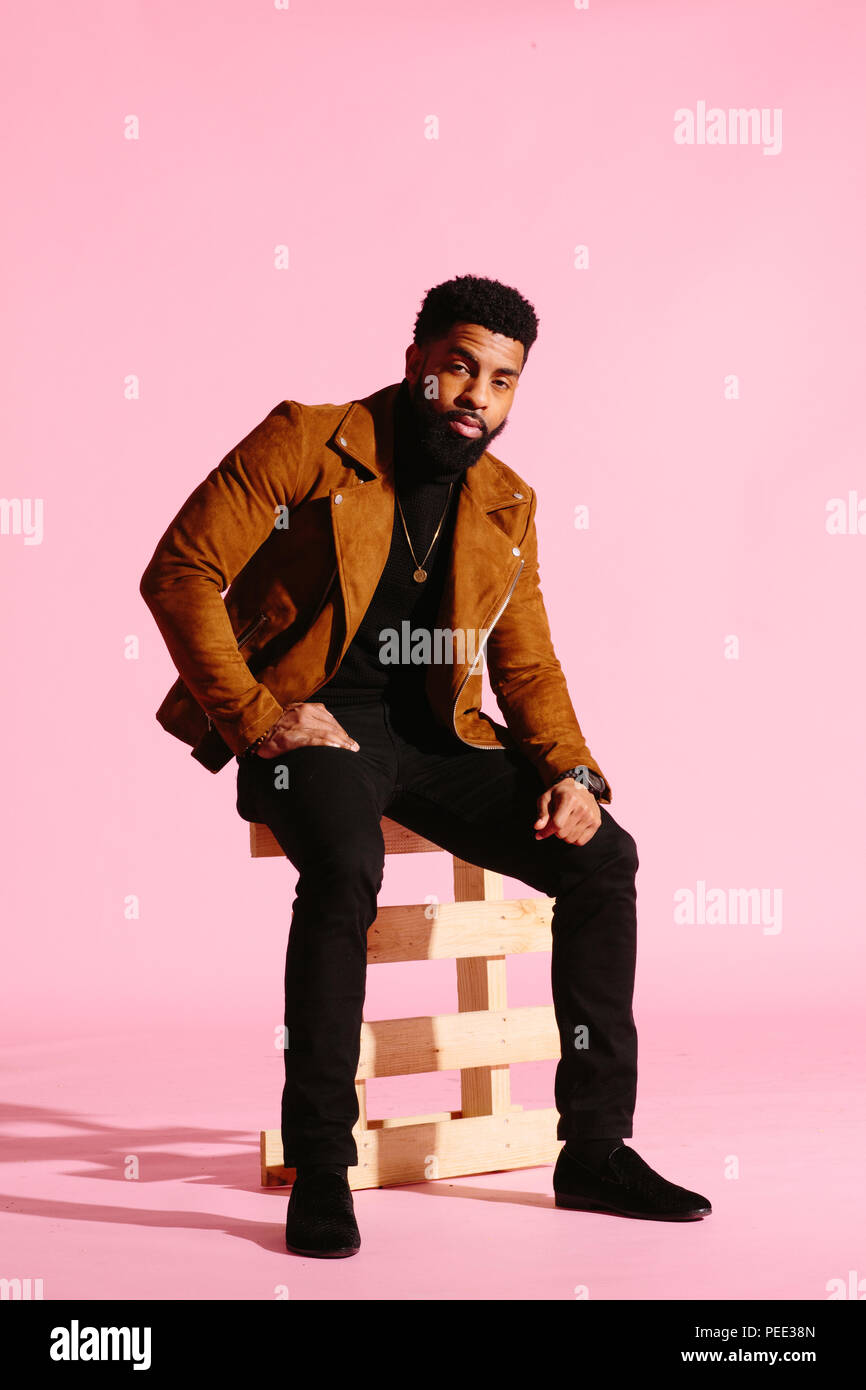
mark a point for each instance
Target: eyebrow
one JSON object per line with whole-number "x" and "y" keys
{"x": 500, "y": 371}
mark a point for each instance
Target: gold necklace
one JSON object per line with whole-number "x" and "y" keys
{"x": 420, "y": 573}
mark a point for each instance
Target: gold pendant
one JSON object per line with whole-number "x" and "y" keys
{"x": 420, "y": 575}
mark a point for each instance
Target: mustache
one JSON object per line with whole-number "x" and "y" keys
{"x": 435, "y": 422}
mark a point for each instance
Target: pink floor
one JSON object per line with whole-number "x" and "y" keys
{"x": 196, "y": 1224}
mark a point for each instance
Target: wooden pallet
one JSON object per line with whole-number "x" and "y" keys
{"x": 488, "y": 1133}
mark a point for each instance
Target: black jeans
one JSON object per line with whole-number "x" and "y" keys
{"x": 479, "y": 804}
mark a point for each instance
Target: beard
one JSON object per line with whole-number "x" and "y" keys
{"x": 441, "y": 454}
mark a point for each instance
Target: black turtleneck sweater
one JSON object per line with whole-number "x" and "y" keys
{"x": 423, "y": 494}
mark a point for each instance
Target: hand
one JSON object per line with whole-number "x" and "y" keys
{"x": 568, "y": 810}
{"x": 302, "y": 726}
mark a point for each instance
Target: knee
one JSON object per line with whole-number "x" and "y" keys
{"x": 626, "y": 849}
{"x": 245, "y": 801}
{"x": 356, "y": 862}
{"x": 611, "y": 849}
{"x": 612, "y": 852}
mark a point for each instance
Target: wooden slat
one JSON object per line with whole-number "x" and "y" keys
{"x": 459, "y": 930}
{"x": 438, "y": 1149}
{"x": 451, "y": 1042}
{"x": 361, "y": 1093}
{"x": 482, "y": 983}
{"x": 273, "y": 1171}
{"x": 262, "y": 841}
{"x": 398, "y": 840}
{"x": 390, "y": 1121}
{"x": 472, "y": 883}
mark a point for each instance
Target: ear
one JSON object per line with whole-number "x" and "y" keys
{"x": 414, "y": 358}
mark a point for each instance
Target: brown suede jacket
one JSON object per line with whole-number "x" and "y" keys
{"x": 295, "y": 523}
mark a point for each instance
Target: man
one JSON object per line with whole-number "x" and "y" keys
{"x": 335, "y": 529}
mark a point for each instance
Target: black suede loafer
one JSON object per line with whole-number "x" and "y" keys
{"x": 627, "y": 1186}
{"x": 320, "y": 1220}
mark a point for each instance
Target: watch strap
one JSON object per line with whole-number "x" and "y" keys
{"x": 583, "y": 775}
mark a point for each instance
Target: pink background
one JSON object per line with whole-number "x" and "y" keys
{"x": 155, "y": 257}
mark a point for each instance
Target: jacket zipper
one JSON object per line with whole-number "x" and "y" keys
{"x": 319, "y": 608}
{"x": 475, "y": 662}
{"x": 244, "y": 636}
{"x": 246, "y": 633}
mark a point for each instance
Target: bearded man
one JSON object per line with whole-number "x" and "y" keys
{"x": 331, "y": 527}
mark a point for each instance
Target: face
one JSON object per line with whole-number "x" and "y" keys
{"x": 462, "y": 387}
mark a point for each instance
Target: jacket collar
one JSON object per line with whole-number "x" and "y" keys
{"x": 366, "y": 434}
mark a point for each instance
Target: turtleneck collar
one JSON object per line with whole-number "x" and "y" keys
{"x": 412, "y": 463}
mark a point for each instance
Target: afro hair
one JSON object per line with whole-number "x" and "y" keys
{"x": 475, "y": 299}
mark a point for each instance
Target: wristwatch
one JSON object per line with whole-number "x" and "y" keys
{"x": 587, "y": 778}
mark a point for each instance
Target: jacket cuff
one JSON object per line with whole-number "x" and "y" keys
{"x": 261, "y": 715}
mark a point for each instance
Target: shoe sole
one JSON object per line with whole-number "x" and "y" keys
{"x": 579, "y": 1204}
{"x": 325, "y": 1254}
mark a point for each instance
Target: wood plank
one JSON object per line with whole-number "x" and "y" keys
{"x": 398, "y": 840}
{"x": 482, "y": 983}
{"x": 262, "y": 841}
{"x": 361, "y": 1093}
{"x": 391, "y": 1120}
{"x": 442, "y": 931}
{"x": 452, "y": 1042}
{"x": 445, "y": 1149}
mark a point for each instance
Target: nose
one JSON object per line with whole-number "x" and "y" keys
{"x": 473, "y": 400}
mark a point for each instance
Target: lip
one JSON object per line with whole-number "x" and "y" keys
{"x": 465, "y": 425}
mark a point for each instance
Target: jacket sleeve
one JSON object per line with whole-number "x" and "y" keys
{"x": 527, "y": 679}
{"x": 219, "y": 527}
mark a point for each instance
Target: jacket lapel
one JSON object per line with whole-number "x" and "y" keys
{"x": 481, "y": 570}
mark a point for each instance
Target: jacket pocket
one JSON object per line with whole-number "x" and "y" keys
{"x": 252, "y": 627}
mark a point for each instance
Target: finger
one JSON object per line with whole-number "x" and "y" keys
{"x": 568, "y": 819}
{"x": 542, "y": 807}
{"x": 576, "y": 826}
{"x": 299, "y": 739}
{"x": 341, "y": 732}
{"x": 317, "y": 741}
{"x": 328, "y": 728}
{"x": 587, "y": 833}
